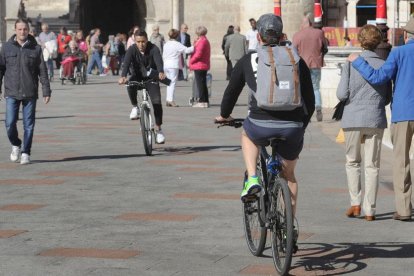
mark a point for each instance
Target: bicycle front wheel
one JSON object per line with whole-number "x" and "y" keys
{"x": 253, "y": 217}
{"x": 146, "y": 130}
{"x": 282, "y": 226}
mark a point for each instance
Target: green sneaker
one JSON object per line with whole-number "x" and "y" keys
{"x": 251, "y": 187}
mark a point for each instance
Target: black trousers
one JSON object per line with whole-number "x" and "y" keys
{"x": 229, "y": 68}
{"x": 154, "y": 92}
{"x": 201, "y": 82}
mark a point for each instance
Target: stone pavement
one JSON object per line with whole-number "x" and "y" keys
{"x": 92, "y": 203}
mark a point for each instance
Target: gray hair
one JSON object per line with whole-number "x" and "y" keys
{"x": 201, "y": 30}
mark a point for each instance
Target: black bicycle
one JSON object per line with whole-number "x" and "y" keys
{"x": 270, "y": 210}
{"x": 147, "y": 115}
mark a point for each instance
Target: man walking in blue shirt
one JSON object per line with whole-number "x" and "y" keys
{"x": 399, "y": 67}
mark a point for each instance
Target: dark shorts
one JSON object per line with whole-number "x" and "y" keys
{"x": 289, "y": 149}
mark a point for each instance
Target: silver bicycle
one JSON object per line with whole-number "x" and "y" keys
{"x": 147, "y": 114}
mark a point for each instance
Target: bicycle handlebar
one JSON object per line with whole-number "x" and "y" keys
{"x": 140, "y": 84}
{"x": 236, "y": 123}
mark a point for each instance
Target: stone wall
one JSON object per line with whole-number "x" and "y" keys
{"x": 48, "y": 8}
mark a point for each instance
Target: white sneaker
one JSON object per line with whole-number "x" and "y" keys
{"x": 25, "y": 159}
{"x": 159, "y": 137}
{"x": 15, "y": 154}
{"x": 135, "y": 113}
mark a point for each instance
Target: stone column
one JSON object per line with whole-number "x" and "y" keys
{"x": 12, "y": 9}
{"x": 351, "y": 11}
{"x": 2, "y": 22}
{"x": 176, "y": 14}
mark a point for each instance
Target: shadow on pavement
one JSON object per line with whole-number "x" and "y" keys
{"x": 92, "y": 157}
{"x": 344, "y": 258}
{"x": 48, "y": 117}
{"x": 190, "y": 150}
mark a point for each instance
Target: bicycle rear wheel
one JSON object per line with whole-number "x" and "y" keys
{"x": 282, "y": 226}
{"x": 253, "y": 218}
{"x": 146, "y": 130}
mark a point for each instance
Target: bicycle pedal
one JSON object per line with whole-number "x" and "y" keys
{"x": 249, "y": 198}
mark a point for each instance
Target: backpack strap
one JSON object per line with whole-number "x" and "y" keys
{"x": 296, "y": 99}
{"x": 273, "y": 76}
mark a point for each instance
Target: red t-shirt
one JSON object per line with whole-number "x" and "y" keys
{"x": 62, "y": 42}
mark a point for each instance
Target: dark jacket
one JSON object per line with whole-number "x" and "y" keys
{"x": 139, "y": 64}
{"x": 187, "y": 39}
{"x": 22, "y": 67}
{"x": 243, "y": 74}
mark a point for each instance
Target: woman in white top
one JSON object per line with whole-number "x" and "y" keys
{"x": 171, "y": 56}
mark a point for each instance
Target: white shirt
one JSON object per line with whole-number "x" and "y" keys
{"x": 251, "y": 36}
{"x": 172, "y": 52}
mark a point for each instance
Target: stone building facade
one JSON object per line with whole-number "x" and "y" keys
{"x": 216, "y": 15}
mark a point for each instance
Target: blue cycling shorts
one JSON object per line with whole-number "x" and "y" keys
{"x": 288, "y": 149}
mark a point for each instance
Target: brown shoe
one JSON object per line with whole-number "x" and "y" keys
{"x": 369, "y": 218}
{"x": 172, "y": 104}
{"x": 353, "y": 211}
{"x": 396, "y": 216}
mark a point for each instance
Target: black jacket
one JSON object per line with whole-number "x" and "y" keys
{"x": 243, "y": 73}
{"x": 187, "y": 39}
{"x": 138, "y": 64}
{"x": 22, "y": 67}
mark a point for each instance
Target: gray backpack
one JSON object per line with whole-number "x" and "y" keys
{"x": 278, "y": 87}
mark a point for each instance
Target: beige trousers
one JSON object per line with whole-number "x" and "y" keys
{"x": 372, "y": 139}
{"x": 401, "y": 136}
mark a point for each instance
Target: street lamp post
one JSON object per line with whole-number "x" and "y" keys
{"x": 384, "y": 48}
{"x": 346, "y": 19}
{"x": 277, "y": 7}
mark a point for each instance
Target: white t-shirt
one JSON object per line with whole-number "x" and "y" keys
{"x": 251, "y": 36}
{"x": 172, "y": 53}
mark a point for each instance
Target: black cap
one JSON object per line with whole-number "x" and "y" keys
{"x": 270, "y": 27}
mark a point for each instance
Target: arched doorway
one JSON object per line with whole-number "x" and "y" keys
{"x": 112, "y": 16}
{"x": 366, "y": 11}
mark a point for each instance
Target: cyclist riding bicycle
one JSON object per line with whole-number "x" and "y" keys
{"x": 261, "y": 124}
{"x": 144, "y": 61}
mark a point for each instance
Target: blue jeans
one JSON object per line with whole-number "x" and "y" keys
{"x": 95, "y": 58}
{"x": 49, "y": 64}
{"x": 12, "y": 116}
{"x": 316, "y": 80}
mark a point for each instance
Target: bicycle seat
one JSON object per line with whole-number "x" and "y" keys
{"x": 276, "y": 140}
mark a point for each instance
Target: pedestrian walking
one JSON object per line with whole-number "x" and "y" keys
{"x": 229, "y": 68}
{"x": 363, "y": 122}
{"x": 22, "y": 65}
{"x": 157, "y": 39}
{"x": 312, "y": 46}
{"x": 63, "y": 40}
{"x": 399, "y": 66}
{"x": 235, "y": 47}
{"x": 171, "y": 57}
{"x": 200, "y": 64}
{"x": 96, "y": 49}
{"x": 185, "y": 39}
{"x": 39, "y": 21}
{"x": 48, "y": 43}
{"x": 251, "y": 36}
{"x": 131, "y": 38}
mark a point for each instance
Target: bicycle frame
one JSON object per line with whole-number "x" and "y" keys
{"x": 146, "y": 101}
{"x": 271, "y": 171}
{"x": 147, "y": 115}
